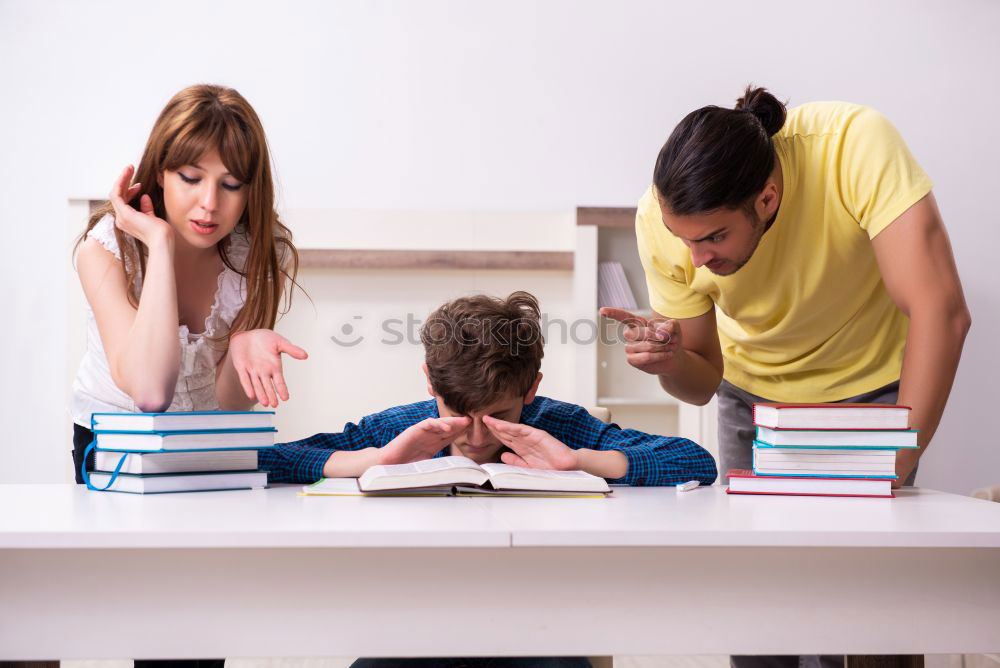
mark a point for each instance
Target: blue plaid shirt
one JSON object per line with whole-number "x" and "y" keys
{"x": 652, "y": 460}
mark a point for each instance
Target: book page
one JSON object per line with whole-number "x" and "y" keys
{"x": 505, "y": 476}
{"x": 500, "y": 469}
{"x": 425, "y": 473}
{"x": 426, "y": 466}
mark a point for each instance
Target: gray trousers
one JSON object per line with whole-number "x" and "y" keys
{"x": 736, "y": 432}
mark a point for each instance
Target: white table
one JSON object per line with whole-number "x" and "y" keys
{"x": 650, "y": 571}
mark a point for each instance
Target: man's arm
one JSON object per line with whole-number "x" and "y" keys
{"x": 917, "y": 266}
{"x": 683, "y": 353}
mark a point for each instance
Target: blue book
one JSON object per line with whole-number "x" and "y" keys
{"x": 185, "y": 461}
{"x": 177, "y": 482}
{"x": 182, "y": 421}
{"x": 154, "y": 441}
{"x": 837, "y": 438}
{"x": 833, "y": 475}
{"x": 830, "y": 463}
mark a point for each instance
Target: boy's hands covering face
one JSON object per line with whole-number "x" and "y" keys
{"x": 533, "y": 448}
{"x": 422, "y": 440}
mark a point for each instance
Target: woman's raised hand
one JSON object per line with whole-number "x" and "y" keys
{"x": 142, "y": 224}
{"x": 256, "y": 356}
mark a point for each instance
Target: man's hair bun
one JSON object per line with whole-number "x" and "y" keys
{"x": 766, "y": 107}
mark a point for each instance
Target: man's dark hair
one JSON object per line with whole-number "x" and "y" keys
{"x": 482, "y": 349}
{"x": 719, "y": 158}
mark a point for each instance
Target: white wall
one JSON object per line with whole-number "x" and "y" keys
{"x": 515, "y": 106}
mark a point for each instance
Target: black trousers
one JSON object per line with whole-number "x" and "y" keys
{"x": 81, "y": 439}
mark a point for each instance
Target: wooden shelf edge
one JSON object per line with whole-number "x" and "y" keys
{"x": 605, "y": 216}
{"x": 646, "y": 402}
{"x": 329, "y": 258}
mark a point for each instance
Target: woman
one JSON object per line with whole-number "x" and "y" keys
{"x": 184, "y": 269}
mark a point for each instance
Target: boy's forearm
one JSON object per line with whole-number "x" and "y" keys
{"x": 350, "y": 463}
{"x": 603, "y": 463}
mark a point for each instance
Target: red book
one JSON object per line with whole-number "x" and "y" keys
{"x": 831, "y": 416}
{"x": 745, "y": 482}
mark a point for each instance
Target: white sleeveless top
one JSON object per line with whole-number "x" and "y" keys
{"x": 94, "y": 391}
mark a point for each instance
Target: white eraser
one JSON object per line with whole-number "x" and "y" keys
{"x": 687, "y": 486}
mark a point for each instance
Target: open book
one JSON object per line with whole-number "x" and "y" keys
{"x": 446, "y": 476}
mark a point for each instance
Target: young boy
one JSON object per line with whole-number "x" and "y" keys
{"x": 482, "y": 361}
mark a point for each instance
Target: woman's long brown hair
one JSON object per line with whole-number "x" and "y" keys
{"x": 195, "y": 121}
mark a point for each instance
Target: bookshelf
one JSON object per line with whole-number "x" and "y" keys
{"x": 604, "y": 377}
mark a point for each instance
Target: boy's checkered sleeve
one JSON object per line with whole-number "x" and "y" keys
{"x": 660, "y": 460}
{"x": 652, "y": 460}
{"x": 303, "y": 461}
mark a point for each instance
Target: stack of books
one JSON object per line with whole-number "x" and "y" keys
{"x": 151, "y": 453}
{"x": 825, "y": 449}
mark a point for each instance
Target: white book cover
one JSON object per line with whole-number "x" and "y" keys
{"x": 184, "y": 440}
{"x": 176, "y": 462}
{"x": 887, "y": 438}
{"x": 183, "y": 420}
{"x": 613, "y": 288}
{"x": 181, "y": 482}
{"x": 831, "y": 416}
{"x": 820, "y": 455}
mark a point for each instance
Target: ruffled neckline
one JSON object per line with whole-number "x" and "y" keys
{"x": 239, "y": 247}
{"x": 185, "y": 332}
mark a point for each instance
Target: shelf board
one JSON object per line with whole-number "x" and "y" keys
{"x": 641, "y": 312}
{"x": 606, "y": 216}
{"x": 666, "y": 400}
{"x": 330, "y": 258}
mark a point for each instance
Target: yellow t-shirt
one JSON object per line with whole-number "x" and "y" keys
{"x": 808, "y": 318}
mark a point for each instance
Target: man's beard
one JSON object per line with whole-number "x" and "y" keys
{"x": 759, "y": 228}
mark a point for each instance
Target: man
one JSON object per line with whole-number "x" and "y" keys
{"x": 795, "y": 259}
{"x": 795, "y": 256}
